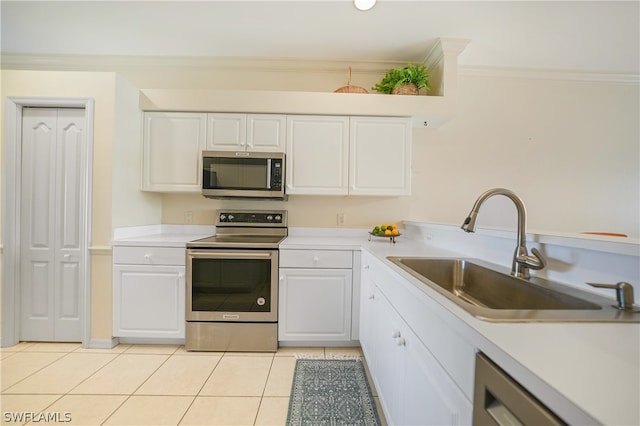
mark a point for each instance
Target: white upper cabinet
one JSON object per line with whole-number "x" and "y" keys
{"x": 172, "y": 147}
{"x": 326, "y": 155}
{"x": 266, "y": 132}
{"x": 227, "y": 132}
{"x": 380, "y": 156}
{"x": 336, "y": 155}
{"x": 317, "y": 155}
{"x": 246, "y": 132}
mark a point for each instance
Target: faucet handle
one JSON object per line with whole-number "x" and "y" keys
{"x": 537, "y": 261}
{"x": 541, "y": 259}
{"x": 624, "y": 294}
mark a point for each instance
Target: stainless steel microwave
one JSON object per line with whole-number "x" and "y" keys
{"x": 229, "y": 174}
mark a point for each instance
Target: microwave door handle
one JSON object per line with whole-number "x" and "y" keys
{"x": 268, "y": 173}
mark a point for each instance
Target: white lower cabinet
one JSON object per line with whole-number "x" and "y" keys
{"x": 149, "y": 293}
{"x": 315, "y": 296}
{"x": 413, "y": 387}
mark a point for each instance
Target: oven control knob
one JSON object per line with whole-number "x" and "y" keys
{"x": 222, "y": 218}
{"x": 261, "y": 301}
{"x": 231, "y": 217}
{"x": 278, "y": 218}
{"x": 269, "y": 217}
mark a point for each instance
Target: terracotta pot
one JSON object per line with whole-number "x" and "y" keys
{"x": 405, "y": 89}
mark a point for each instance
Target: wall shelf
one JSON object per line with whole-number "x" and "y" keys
{"x": 442, "y": 63}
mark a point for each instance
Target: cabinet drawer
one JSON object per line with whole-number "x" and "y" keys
{"x": 316, "y": 259}
{"x": 149, "y": 255}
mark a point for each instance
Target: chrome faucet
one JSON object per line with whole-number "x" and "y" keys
{"x": 522, "y": 260}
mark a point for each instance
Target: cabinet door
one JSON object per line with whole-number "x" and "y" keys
{"x": 172, "y": 151}
{"x": 430, "y": 396}
{"x": 148, "y": 301}
{"x": 266, "y": 132}
{"x": 388, "y": 368}
{"x": 368, "y": 317}
{"x": 380, "y": 156}
{"x": 317, "y": 155}
{"x": 226, "y": 132}
{"x": 314, "y": 305}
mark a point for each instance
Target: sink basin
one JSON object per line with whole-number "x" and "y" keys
{"x": 490, "y": 294}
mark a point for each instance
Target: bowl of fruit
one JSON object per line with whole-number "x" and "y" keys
{"x": 385, "y": 231}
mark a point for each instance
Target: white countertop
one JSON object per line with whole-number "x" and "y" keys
{"x": 586, "y": 372}
{"x": 161, "y": 235}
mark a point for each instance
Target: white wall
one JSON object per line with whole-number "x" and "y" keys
{"x": 131, "y": 207}
{"x": 570, "y": 149}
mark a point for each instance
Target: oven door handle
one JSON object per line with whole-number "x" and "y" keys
{"x": 210, "y": 254}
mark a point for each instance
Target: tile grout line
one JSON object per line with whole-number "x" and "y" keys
{"x": 128, "y": 397}
{"x": 201, "y": 387}
{"x": 37, "y": 371}
{"x": 104, "y": 366}
{"x": 255, "y": 419}
{"x": 57, "y": 359}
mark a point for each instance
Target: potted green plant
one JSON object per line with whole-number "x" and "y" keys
{"x": 404, "y": 81}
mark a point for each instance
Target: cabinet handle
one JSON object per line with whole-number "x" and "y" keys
{"x": 396, "y": 334}
{"x": 366, "y": 267}
{"x": 281, "y": 278}
{"x": 147, "y": 256}
{"x": 67, "y": 256}
{"x": 400, "y": 341}
{"x": 372, "y": 296}
{"x": 315, "y": 259}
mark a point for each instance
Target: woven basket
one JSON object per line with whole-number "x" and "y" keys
{"x": 350, "y": 88}
{"x": 405, "y": 89}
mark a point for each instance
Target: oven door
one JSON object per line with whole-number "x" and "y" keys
{"x": 232, "y": 285}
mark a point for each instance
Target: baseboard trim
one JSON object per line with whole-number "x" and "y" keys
{"x": 323, "y": 343}
{"x": 150, "y": 341}
{"x": 103, "y": 343}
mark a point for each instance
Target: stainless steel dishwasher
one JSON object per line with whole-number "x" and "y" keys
{"x": 500, "y": 400}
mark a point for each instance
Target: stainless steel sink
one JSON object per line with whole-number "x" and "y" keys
{"x": 487, "y": 293}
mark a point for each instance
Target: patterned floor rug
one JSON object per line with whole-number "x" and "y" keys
{"x": 331, "y": 392}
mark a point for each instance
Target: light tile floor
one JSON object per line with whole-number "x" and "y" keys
{"x": 62, "y": 383}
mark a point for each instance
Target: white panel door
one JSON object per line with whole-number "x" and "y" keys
{"x": 149, "y": 301}
{"x": 172, "y": 151}
{"x": 317, "y": 155}
{"x": 266, "y": 132}
{"x": 52, "y": 226}
{"x": 380, "y": 156}
{"x": 314, "y": 304}
{"x": 226, "y": 132}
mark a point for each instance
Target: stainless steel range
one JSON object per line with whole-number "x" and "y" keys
{"x": 232, "y": 283}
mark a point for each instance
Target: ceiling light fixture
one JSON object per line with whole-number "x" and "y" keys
{"x": 364, "y": 4}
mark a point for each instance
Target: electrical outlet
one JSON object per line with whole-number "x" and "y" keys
{"x": 188, "y": 217}
{"x": 341, "y": 219}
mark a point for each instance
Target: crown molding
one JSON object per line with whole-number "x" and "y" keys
{"x": 550, "y": 74}
{"x": 110, "y": 63}
{"x": 118, "y": 63}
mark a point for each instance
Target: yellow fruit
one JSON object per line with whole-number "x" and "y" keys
{"x": 394, "y": 226}
{"x": 387, "y": 232}
{"x": 394, "y": 232}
